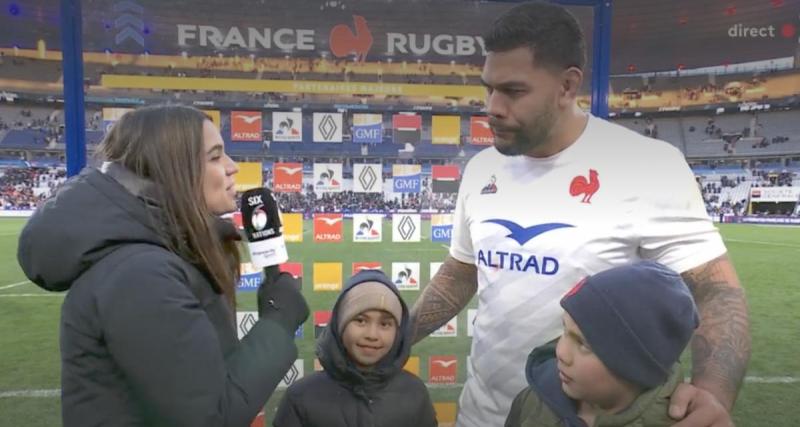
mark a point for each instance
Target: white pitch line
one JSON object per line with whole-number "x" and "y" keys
{"x": 57, "y": 392}
{"x": 31, "y": 393}
{"x": 31, "y": 295}
{"x": 758, "y": 242}
{"x": 14, "y": 285}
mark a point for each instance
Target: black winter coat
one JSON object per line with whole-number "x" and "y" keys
{"x": 145, "y": 340}
{"x": 343, "y": 396}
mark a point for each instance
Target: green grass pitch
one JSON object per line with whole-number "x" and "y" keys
{"x": 766, "y": 258}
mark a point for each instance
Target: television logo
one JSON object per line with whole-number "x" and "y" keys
{"x": 769, "y": 31}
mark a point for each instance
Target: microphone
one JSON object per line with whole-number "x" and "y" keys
{"x": 262, "y": 225}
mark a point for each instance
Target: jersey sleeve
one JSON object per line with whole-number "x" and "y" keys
{"x": 675, "y": 228}
{"x": 461, "y": 241}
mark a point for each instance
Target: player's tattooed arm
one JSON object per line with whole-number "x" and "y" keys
{"x": 721, "y": 344}
{"x": 445, "y": 296}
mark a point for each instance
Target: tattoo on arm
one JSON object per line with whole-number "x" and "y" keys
{"x": 721, "y": 344}
{"x": 445, "y": 296}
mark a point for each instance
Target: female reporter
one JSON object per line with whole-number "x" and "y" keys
{"x": 148, "y": 333}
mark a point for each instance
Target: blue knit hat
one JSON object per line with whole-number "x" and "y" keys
{"x": 637, "y": 319}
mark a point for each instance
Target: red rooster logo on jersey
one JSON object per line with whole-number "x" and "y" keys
{"x": 343, "y": 41}
{"x": 587, "y": 187}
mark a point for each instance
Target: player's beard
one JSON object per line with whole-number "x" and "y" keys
{"x": 531, "y": 136}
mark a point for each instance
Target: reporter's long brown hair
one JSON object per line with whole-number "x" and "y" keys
{"x": 165, "y": 145}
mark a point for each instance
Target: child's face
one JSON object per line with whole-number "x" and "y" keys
{"x": 583, "y": 376}
{"x": 368, "y": 337}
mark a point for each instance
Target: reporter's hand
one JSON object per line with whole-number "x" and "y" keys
{"x": 280, "y": 299}
{"x": 695, "y": 407}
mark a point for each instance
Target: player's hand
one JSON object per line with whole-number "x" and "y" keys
{"x": 695, "y": 407}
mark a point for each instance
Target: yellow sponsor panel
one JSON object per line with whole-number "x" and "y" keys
{"x": 119, "y": 81}
{"x": 292, "y": 227}
{"x": 113, "y": 114}
{"x": 445, "y": 412}
{"x": 446, "y": 130}
{"x": 441, "y": 219}
{"x": 249, "y": 176}
{"x": 327, "y": 276}
{"x": 412, "y": 365}
{"x": 215, "y": 117}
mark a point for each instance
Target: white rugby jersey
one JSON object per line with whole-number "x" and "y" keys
{"x": 535, "y": 227}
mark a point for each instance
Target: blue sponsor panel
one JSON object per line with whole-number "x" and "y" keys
{"x": 406, "y": 178}
{"x": 407, "y": 184}
{"x": 367, "y": 128}
{"x": 441, "y": 233}
{"x": 249, "y": 282}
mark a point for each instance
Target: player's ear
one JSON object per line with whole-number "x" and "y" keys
{"x": 570, "y": 83}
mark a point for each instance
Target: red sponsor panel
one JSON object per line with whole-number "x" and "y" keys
{"x": 246, "y": 125}
{"x": 321, "y": 319}
{"x": 407, "y": 121}
{"x": 293, "y": 268}
{"x": 328, "y": 227}
{"x": 445, "y": 172}
{"x": 479, "y": 131}
{"x": 287, "y": 177}
{"x": 443, "y": 369}
{"x": 445, "y": 178}
{"x": 358, "y": 266}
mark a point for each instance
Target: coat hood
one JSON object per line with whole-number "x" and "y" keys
{"x": 542, "y": 375}
{"x": 90, "y": 216}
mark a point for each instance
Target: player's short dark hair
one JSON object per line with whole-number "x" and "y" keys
{"x": 551, "y": 32}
